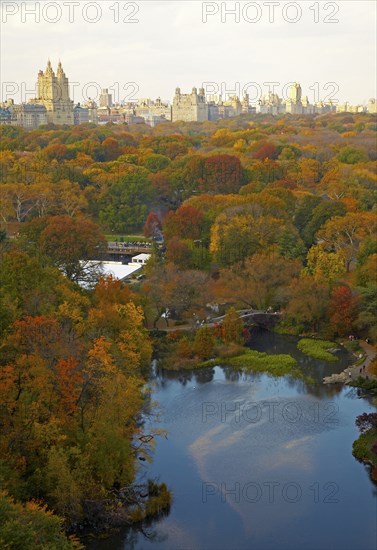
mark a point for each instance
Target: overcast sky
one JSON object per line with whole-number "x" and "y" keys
{"x": 172, "y": 45}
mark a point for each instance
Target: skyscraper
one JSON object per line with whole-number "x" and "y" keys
{"x": 190, "y": 107}
{"x": 53, "y": 93}
{"x": 105, "y": 99}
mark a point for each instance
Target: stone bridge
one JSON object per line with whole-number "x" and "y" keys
{"x": 262, "y": 318}
{"x": 129, "y": 249}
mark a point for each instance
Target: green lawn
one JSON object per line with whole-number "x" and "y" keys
{"x": 126, "y": 238}
{"x": 255, "y": 361}
{"x": 317, "y": 348}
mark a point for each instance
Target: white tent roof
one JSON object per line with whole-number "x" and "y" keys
{"x": 143, "y": 257}
{"x": 118, "y": 270}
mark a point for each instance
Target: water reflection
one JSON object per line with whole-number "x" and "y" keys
{"x": 239, "y": 446}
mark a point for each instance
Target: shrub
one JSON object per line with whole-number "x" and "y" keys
{"x": 31, "y": 526}
{"x": 352, "y": 155}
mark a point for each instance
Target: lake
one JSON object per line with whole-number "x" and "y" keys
{"x": 257, "y": 463}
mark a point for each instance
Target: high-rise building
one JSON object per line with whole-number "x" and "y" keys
{"x": 30, "y": 115}
{"x": 246, "y": 107}
{"x": 293, "y": 104}
{"x": 80, "y": 115}
{"x": 190, "y": 107}
{"x": 6, "y": 117}
{"x": 148, "y": 108}
{"x": 235, "y": 106}
{"x": 372, "y": 106}
{"x": 53, "y": 93}
{"x": 92, "y": 111}
{"x": 105, "y": 99}
{"x": 270, "y": 104}
{"x": 348, "y": 108}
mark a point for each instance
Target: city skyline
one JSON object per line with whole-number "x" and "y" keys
{"x": 52, "y": 104}
{"x": 187, "y": 45}
{"x": 254, "y": 91}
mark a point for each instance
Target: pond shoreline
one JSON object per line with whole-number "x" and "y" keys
{"x": 227, "y": 428}
{"x": 355, "y": 371}
{"x": 172, "y": 363}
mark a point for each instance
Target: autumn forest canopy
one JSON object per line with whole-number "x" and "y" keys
{"x": 252, "y": 191}
{"x": 255, "y": 211}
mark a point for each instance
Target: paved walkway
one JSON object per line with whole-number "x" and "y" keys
{"x": 370, "y": 354}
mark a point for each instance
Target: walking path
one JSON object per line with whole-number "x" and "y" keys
{"x": 370, "y": 354}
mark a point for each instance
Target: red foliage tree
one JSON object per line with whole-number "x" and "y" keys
{"x": 69, "y": 382}
{"x": 56, "y": 151}
{"x": 178, "y": 252}
{"x": 267, "y": 151}
{"x": 153, "y": 226}
{"x": 342, "y": 310}
{"x": 37, "y": 335}
{"x": 222, "y": 174}
{"x": 110, "y": 149}
{"x": 70, "y": 242}
{"x": 184, "y": 223}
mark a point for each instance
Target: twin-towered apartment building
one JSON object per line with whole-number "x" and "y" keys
{"x": 53, "y": 105}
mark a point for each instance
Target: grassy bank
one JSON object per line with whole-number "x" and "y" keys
{"x": 317, "y": 348}
{"x": 180, "y": 350}
{"x": 255, "y": 361}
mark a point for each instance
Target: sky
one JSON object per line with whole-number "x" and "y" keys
{"x": 148, "y": 48}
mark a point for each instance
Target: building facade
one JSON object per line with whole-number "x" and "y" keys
{"x": 348, "y": 108}
{"x": 105, "y": 99}
{"x": 372, "y": 106}
{"x": 6, "y": 117}
{"x": 53, "y": 94}
{"x": 148, "y": 108}
{"x": 293, "y": 105}
{"x": 190, "y": 107}
{"x": 92, "y": 111}
{"x": 80, "y": 115}
{"x": 30, "y": 115}
{"x": 153, "y": 120}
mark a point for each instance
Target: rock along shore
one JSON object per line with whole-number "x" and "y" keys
{"x": 344, "y": 377}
